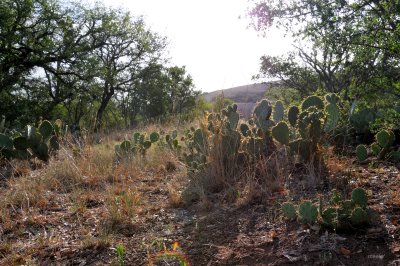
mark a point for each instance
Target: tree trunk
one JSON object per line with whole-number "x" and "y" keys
{"x": 100, "y": 112}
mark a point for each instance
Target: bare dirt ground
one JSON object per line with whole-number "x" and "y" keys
{"x": 83, "y": 227}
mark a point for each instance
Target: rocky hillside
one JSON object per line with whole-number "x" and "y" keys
{"x": 245, "y": 96}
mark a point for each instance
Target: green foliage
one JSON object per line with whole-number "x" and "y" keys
{"x": 361, "y": 152}
{"x": 120, "y": 254}
{"x": 6, "y": 142}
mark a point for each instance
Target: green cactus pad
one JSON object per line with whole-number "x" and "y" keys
{"x": 376, "y": 149}
{"x": 6, "y": 142}
{"x": 46, "y": 129}
{"x": 244, "y": 129}
{"x": 329, "y": 216}
{"x": 289, "y": 210}
{"x": 232, "y": 116}
{"x": 312, "y": 101}
{"x": 394, "y": 156}
{"x": 308, "y": 212}
{"x": 21, "y": 143}
{"x": 136, "y": 137}
{"x": 146, "y": 144}
{"x": 359, "y": 196}
{"x": 332, "y": 118}
{"x": 154, "y": 137}
{"x": 361, "y": 152}
{"x": 280, "y": 132}
{"x": 332, "y": 98}
{"x": 125, "y": 146}
{"x": 263, "y": 110}
{"x": 175, "y": 143}
{"x": 385, "y": 138}
{"x": 279, "y": 111}
{"x": 199, "y": 139}
{"x": 359, "y": 216}
{"x": 230, "y": 144}
{"x": 336, "y": 197}
{"x": 293, "y": 115}
{"x": 42, "y": 151}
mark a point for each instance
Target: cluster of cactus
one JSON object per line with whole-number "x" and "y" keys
{"x": 340, "y": 214}
{"x": 197, "y": 144}
{"x": 381, "y": 148}
{"x": 33, "y": 142}
{"x": 310, "y": 124}
{"x": 139, "y": 144}
{"x": 170, "y": 140}
{"x": 248, "y": 140}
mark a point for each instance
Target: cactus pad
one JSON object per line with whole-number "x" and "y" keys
{"x": 293, "y": 115}
{"x": 279, "y": 111}
{"x": 154, "y": 136}
{"x": 359, "y": 196}
{"x": 312, "y": 101}
{"x": 46, "y": 129}
{"x": 361, "y": 152}
{"x": 289, "y": 210}
{"x": 308, "y": 212}
{"x": 280, "y": 132}
{"x": 359, "y": 216}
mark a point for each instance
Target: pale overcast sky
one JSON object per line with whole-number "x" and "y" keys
{"x": 218, "y": 49}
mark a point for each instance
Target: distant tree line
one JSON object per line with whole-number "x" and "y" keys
{"x": 90, "y": 65}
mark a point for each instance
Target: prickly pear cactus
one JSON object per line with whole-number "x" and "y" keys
{"x": 312, "y": 101}
{"x": 154, "y": 137}
{"x": 293, "y": 115}
{"x": 279, "y": 111}
{"x": 361, "y": 152}
{"x": 280, "y": 132}
{"x": 262, "y": 113}
{"x": 232, "y": 116}
{"x": 46, "y": 129}
{"x": 245, "y": 130}
{"x": 332, "y": 116}
{"x": 376, "y": 149}
{"x": 308, "y": 212}
{"x": 332, "y": 98}
{"x": 359, "y": 216}
{"x": 6, "y": 142}
{"x": 385, "y": 138}
{"x": 289, "y": 210}
{"x": 359, "y": 197}
{"x": 329, "y": 217}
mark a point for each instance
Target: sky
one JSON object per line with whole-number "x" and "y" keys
{"x": 219, "y": 50}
